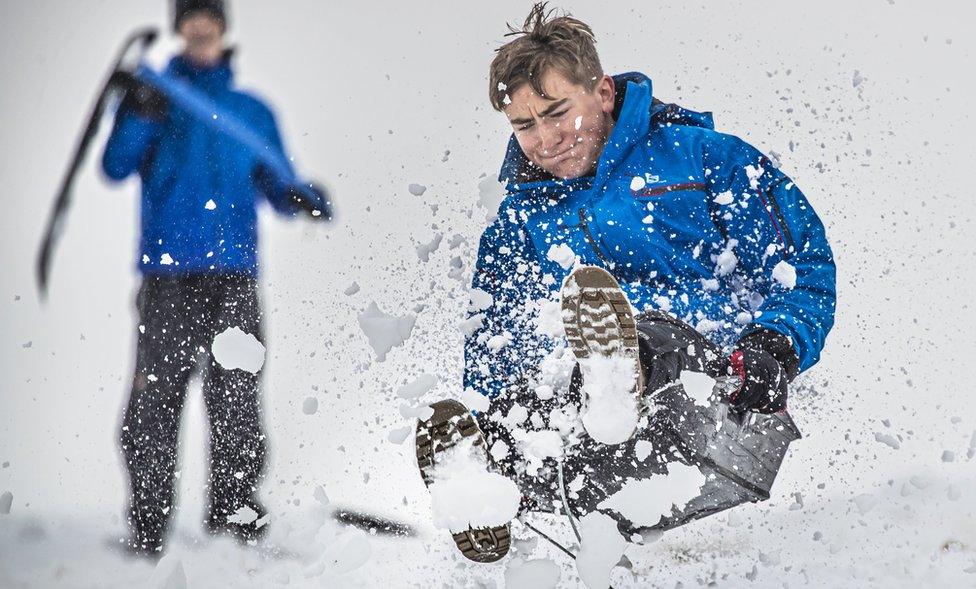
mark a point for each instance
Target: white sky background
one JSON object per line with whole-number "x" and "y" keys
{"x": 369, "y": 97}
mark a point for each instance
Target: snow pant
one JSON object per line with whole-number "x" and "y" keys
{"x": 178, "y": 320}
{"x": 738, "y": 454}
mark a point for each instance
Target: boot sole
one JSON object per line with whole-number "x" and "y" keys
{"x": 598, "y": 318}
{"x": 450, "y": 423}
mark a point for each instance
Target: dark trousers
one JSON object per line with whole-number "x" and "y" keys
{"x": 739, "y": 455}
{"x": 178, "y": 320}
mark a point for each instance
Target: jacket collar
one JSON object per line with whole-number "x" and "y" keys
{"x": 216, "y": 77}
{"x": 635, "y": 111}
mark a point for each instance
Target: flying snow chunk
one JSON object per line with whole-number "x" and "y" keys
{"x": 465, "y": 494}
{"x": 887, "y": 439}
{"x": 211, "y": 205}
{"x": 698, "y": 386}
{"x": 538, "y": 445}
{"x": 643, "y": 449}
{"x": 417, "y": 189}
{"x": 491, "y": 192}
{"x": 383, "y": 331}
{"x": 600, "y": 550}
{"x": 472, "y": 324}
{"x": 726, "y": 261}
{"x": 646, "y": 501}
{"x": 784, "y": 274}
{"x": 637, "y": 183}
{"x": 351, "y": 289}
{"x": 474, "y": 400}
{"x": 310, "y": 405}
{"x": 544, "y": 392}
{"x": 531, "y": 574}
{"x": 610, "y": 413}
{"x": 166, "y": 260}
{"x": 234, "y": 348}
{"x": 398, "y": 435}
{"x": 578, "y": 123}
{"x": 498, "y": 342}
{"x": 245, "y": 515}
{"x": 6, "y": 500}
{"x": 417, "y": 387}
{"x": 499, "y": 450}
{"x": 549, "y": 321}
{"x": 725, "y": 198}
{"x": 425, "y": 249}
{"x": 865, "y": 502}
{"x": 480, "y": 300}
{"x": 563, "y": 255}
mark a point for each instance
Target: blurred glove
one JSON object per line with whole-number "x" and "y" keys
{"x": 140, "y": 98}
{"x": 311, "y": 198}
{"x": 765, "y": 362}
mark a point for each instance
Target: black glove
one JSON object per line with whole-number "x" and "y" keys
{"x": 312, "y": 199}
{"x": 140, "y": 98}
{"x": 766, "y": 363}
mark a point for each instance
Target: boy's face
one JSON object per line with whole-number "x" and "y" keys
{"x": 203, "y": 37}
{"x": 563, "y": 132}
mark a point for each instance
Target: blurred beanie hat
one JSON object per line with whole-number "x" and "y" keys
{"x": 183, "y": 8}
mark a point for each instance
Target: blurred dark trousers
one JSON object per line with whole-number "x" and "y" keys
{"x": 178, "y": 319}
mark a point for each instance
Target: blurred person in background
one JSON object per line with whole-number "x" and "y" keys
{"x": 198, "y": 259}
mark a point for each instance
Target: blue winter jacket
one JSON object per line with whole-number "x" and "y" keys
{"x": 198, "y": 194}
{"x": 689, "y": 220}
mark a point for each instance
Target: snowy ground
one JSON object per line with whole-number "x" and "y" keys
{"x": 864, "y": 104}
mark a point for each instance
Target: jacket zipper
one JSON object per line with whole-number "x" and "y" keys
{"x": 787, "y": 236}
{"x": 591, "y": 241}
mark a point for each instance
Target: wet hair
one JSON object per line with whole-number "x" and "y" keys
{"x": 546, "y": 41}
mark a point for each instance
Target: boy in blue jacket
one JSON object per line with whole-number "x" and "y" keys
{"x": 624, "y": 203}
{"x": 198, "y": 257}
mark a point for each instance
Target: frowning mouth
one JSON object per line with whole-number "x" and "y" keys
{"x": 555, "y": 159}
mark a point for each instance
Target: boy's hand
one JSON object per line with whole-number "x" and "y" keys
{"x": 766, "y": 363}
{"x": 312, "y": 199}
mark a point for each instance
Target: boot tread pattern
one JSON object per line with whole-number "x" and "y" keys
{"x": 450, "y": 423}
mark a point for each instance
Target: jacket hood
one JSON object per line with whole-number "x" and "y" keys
{"x": 631, "y": 87}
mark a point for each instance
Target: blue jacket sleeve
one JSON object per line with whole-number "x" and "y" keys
{"x": 501, "y": 344}
{"x": 129, "y": 144}
{"x": 278, "y": 189}
{"x": 781, "y": 246}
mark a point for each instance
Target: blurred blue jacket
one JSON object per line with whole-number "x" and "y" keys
{"x": 199, "y": 195}
{"x": 689, "y": 220}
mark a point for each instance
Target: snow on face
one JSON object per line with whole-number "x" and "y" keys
{"x": 234, "y": 348}
{"x": 611, "y": 409}
{"x": 646, "y": 501}
{"x": 465, "y": 494}
{"x": 600, "y": 550}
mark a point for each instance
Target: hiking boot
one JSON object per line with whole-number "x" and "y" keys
{"x": 601, "y": 330}
{"x": 451, "y": 424}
